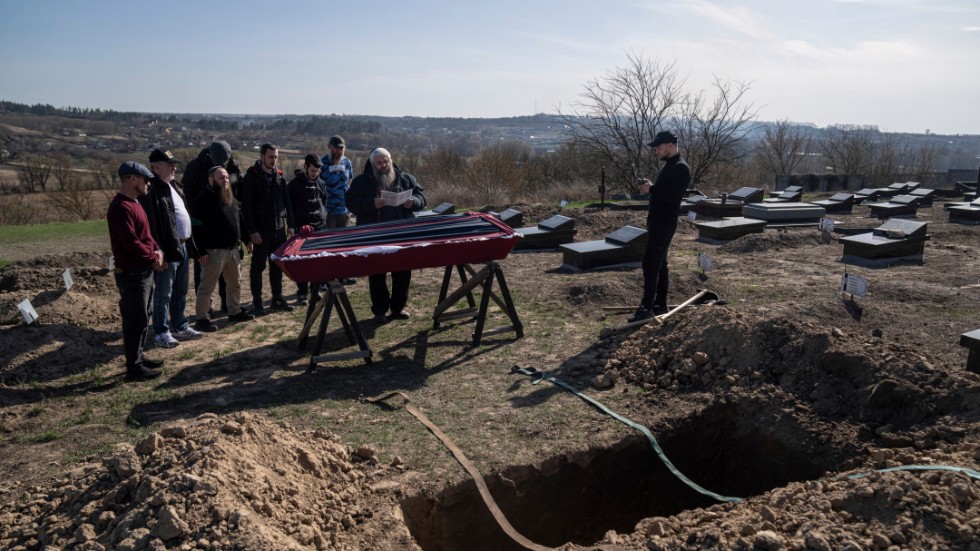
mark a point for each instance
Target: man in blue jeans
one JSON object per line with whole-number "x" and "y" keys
{"x": 170, "y": 225}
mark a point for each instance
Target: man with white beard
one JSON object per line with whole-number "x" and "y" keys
{"x": 364, "y": 200}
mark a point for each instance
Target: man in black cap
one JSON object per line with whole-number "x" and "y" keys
{"x": 307, "y": 198}
{"x": 135, "y": 256}
{"x": 170, "y": 224}
{"x": 268, "y": 217}
{"x": 665, "y": 203}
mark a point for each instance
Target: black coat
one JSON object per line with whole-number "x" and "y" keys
{"x": 307, "y": 200}
{"x": 364, "y": 189}
{"x": 265, "y": 203}
{"x": 668, "y": 192}
{"x": 159, "y": 207}
{"x": 216, "y": 225}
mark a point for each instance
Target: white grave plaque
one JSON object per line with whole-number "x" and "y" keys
{"x": 563, "y": 203}
{"x": 705, "y": 262}
{"x": 26, "y": 310}
{"x": 66, "y": 275}
{"x": 855, "y": 285}
{"x": 112, "y": 263}
{"x": 826, "y": 224}
{"x": 691, "y": 216}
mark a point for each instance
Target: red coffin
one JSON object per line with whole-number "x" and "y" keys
{"x": 396, "y": 246}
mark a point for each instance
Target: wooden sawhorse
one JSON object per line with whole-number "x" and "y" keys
{"x": 485, "y": 277}
{"x": 334, "y": 298}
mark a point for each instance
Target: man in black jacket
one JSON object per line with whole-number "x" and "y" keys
{"x": 268, "y": 217}
{"x": 170, "y": 224}
{"x": 365, "y": 200}
{"x": 306, "y": 195}
{"x": 665, "y": 203}
{"x": 196, "y": 179}
{"x": 217, "y": 232}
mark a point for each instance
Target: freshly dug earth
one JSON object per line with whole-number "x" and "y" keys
{"x": 844, "y": 423}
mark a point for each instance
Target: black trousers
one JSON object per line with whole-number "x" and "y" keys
{"x": 656, "y": 275}
{"x": 135, "y": 289}
{"x": 381, "y": 299}
{"x": 271, "y": 240}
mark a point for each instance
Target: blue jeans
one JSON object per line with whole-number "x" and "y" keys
{"x": 170, "y": 296}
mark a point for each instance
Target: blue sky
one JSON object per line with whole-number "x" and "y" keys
{"x": 904, "y": 65}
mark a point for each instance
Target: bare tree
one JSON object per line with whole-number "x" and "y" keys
{"x": 75, "y": 201}
{"x": 104, "y": 174}
{"x": 621, "y": 112}
{"x": 923, "y": 161}
{"x": 888, "y": 157}
{"x": 63, "y": 171}
{"x": 713, "y": 130}
{"x": 35, "y": 173}
{"x": 848, "y": 148}
{"x": 783, "y": 148}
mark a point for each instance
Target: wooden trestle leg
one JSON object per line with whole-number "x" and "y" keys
{"x": 334, "y": 298}
{"x": 485, "y": 278}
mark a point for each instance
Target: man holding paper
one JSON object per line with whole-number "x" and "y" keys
{"x": 385, "y": 192}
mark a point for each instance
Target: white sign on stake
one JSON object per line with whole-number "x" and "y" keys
{"x": 691, "y": 216}
{"x": 66, "y": 275}
{"x": 26, "y": 310}
{"x": 855, "y": 285}
{"x": 705, "y": 262}
{"x": 826, "y": 224}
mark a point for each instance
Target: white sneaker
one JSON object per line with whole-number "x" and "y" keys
{"x": 165, "y": 340}
{"x": 188, "y": 333}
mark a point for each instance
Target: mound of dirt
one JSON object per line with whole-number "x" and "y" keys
{"x": 237, "y": 482}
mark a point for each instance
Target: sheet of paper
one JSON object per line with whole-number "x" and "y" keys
{"x": 393, "y": 199}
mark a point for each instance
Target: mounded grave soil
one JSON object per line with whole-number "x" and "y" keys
{"x": 809, "y": 419}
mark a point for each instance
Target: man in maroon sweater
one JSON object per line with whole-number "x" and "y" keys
{"x": 135, "y": 256}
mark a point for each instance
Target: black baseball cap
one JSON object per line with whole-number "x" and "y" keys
{"x": 663, "y": 137}
{"x": 337, "y": 141}
{"x": 313, "y": 160}
{"x": 158, "y": 155}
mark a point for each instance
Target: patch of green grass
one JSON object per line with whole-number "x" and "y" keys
{"x": 33, "y": 233}
{"x": 84, "y": 450}
{"x": 84, "y": 417}
{"x": 47, "y": 435}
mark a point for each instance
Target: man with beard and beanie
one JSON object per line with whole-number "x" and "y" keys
{"x": 665, "y": 203}
{"x": 196, "y": 179}
{"x": 170, "y": 225}
{"x": 135, "y": 256}
{"x": 364, "y": 200}
{"x": 306, "y": 197}
{"x": 268, "y": 217}
{"x": 218, "y": 233}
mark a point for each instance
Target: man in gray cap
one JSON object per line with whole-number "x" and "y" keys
{"x": 665, "y": 203}
{"x": 135, "y": 256}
